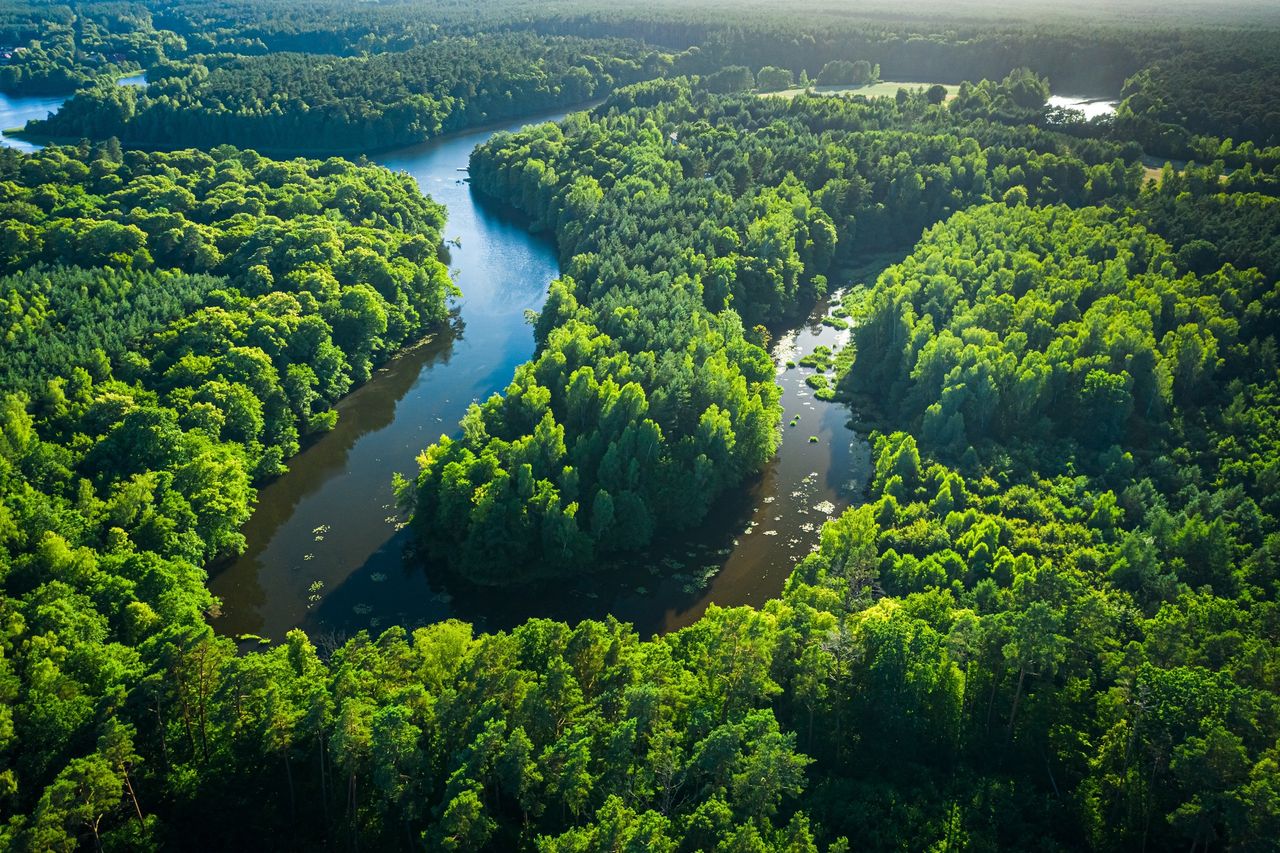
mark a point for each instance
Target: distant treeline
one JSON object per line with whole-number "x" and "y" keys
{"x": 309, "y": 102}
{"x": 287, "y": 78}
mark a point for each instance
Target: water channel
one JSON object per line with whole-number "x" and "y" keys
{"x": 326, "y": 546}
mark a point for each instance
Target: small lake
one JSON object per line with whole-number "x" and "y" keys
{"x": 1091, "y": 107}
{"x": 15, "y": 112}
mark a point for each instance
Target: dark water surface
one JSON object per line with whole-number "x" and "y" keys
{"x": 324, "y": 549}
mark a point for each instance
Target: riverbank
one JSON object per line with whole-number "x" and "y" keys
{"x": 332, "y": 517}
{"x": 38, "y": 140}
{"x": 325, "y": 549}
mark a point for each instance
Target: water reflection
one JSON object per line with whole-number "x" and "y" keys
{"x": 325, "y": 550}
{"x": 15, "y": 112}
{"x": 329, "y": 525}
{"x": 1092, "y": 107}
{"x": 741, "y": 554}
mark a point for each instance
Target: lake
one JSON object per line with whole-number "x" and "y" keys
{"x": 15, "y": 112}
{"x": 1092, "y": 107}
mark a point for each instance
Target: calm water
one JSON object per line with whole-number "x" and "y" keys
{"x": 16, "y": 112}
{"x": 1091, "y": 107}
{"x": 748, "y": 546}
{"x": 745, "y": 550}
{"x": 326, "y": 546}
{"x": 324, "y": 538}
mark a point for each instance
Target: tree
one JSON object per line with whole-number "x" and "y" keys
{"x": 773, "y": 79}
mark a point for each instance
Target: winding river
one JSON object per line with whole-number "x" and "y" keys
{"x": 326, "y": 548}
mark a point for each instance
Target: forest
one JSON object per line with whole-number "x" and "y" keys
{"x": 1051, "y": 622}
{"x": 325, "y": 78}
{"x": 294, "y": 101}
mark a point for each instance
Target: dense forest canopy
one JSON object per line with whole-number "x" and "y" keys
{"x": 1052, "y": 624}
{"x": 174, "y": 324}
{"x": 295, "y": 101}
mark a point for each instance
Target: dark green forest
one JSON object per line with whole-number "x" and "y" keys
{"x": 1050, "y": 624}
{"x": 332, "y": 78}
{"x": 294, "y": 101}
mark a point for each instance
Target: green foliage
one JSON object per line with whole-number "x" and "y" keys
{"x": 52, "y": 50}
{"x": 304, "y": 102}
{"x": 681, "y": 223}
{"x": 732, "y": 78}
{"x": 1211, "y": 227}
{"x": 210, "y": 308}
{"x": 60, "y": 318}
{"x": 1051, "y": 625}
{"x": 842, "y": 72}
{"x": 774, "y": 79}
{"x": 1216, "y": 91}
{"x": 992, "y": 340}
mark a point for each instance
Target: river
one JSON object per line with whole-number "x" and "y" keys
{"x": 326, "y": 548}
{"x": 326, "y": 545}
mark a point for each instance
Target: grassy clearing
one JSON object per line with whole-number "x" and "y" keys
{"x": 1153, "y": 168}
{"x": 884, "y": 89}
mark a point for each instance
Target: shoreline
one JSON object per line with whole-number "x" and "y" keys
{"x": 45, "y": 140}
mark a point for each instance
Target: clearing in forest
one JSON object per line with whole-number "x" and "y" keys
{"x": 883, "y": 89}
